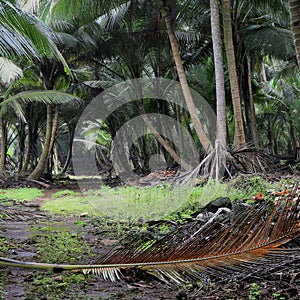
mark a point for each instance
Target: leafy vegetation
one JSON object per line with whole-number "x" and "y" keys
{"x": 57, "y": 245}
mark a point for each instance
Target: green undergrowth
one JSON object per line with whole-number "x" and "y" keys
{"x": 20, "y": 194}
{"x": 58, "y": 244}
{"x": 130, "y": 204}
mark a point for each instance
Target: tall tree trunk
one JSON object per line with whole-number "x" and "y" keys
{"x": 37, "y": 172}
{"x": 219, "y": 73}
{"x": 70, "y": 149}
{"x": 253, "y": 124}
{"x": 239, "y": 133}
{"x": 221, "y": 136}
{"x": 3, "y": 144}
{"x": 185, "y": 88}
{"x": 52, "y": 140}
{"x": 295, "y": 23}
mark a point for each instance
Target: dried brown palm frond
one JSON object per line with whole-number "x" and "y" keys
{"x": 255, "y": 239}
{"x": 251, "y": 160}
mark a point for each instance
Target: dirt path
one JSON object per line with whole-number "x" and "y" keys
{"x": 16, "y": 282}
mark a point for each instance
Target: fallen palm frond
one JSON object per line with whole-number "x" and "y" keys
{"x": 256, "y": 238}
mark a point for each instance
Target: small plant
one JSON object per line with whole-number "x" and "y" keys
{"x": 277, "y": 296}
{"x": 254, "y": 293}
{"x": 4, "y": 246}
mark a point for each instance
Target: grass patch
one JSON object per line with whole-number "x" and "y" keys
{"x": 130, "y": 204}
{"x": 20, "y": 194}
{"x": 64, "y": 193}
{"x": 58, "y": 244}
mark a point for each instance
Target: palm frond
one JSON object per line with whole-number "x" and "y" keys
{"x": 110, "y": 19}
{"x": 47, "y": 97}
{"x": 13, "y": 43}
{"x": 255, "y": 239}
{"x": 30, "y": 34}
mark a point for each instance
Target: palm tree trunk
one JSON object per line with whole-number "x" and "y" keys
{"x": 37, "y": 172}
{"x": 221, "y": 135}
{"x": 3, "y": 145}
{"x": 295, "y": 23}
{"x": 70, "y": 149}
{"x": 161, "y": 140}
{"x": 185, "y": 88}
{"x": 239, "y": 134}
{"x": 253, "y": 124}
{"x": 219, "y": 73}
{"x": 54, "y": 128}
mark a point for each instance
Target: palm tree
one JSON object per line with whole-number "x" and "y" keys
{"x": 239, "y": 133}
{"x": 221, "y": 136}
{"x": 166, "y": 10}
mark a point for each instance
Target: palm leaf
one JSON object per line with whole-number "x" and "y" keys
{"x": 255, "y": 238}
{"x": 47, "y": 97}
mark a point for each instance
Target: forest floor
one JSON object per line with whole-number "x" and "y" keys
{"x": 28, "y": 233}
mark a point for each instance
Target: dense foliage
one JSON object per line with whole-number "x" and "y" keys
{"x": 56, "y": 56}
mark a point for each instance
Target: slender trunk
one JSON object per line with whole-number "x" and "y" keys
{"x": 39, "y": 169}
{"x": 295, "y": 24}
{"x": 185, "y": 88}
{"x": 3, "y": 145}
{"x": 161, "y": 140}
{"x": 52, "y": 140}
{"x": 69, "y": 155}
{"x": 22, "y": 139}
{"x": 54, "y": 128}
{"x": 27, "y": 156}
{"x": 221, "y": 135}
{"x": 219, "y": 73}
{"x": 239, "y": 134}
{"x": 253, "y": 124}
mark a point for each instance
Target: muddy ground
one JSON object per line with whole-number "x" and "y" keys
{"x": 20, "y": 242}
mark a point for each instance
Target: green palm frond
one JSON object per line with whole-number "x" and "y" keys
{"x": 254, "y": 240}
{"x": 29, "y": 35}
{"x": 113, "y": 17}
{"x": 274, "y": 41}
{"x": 25, "y": 24}
{"x": 70, "y": 10}
{"x": 13, "y": 43}
{"x": 46, "y": 97}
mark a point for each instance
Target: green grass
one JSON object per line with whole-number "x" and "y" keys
{"x": 129, "y": 203}
{"x": 21, "y": 194}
